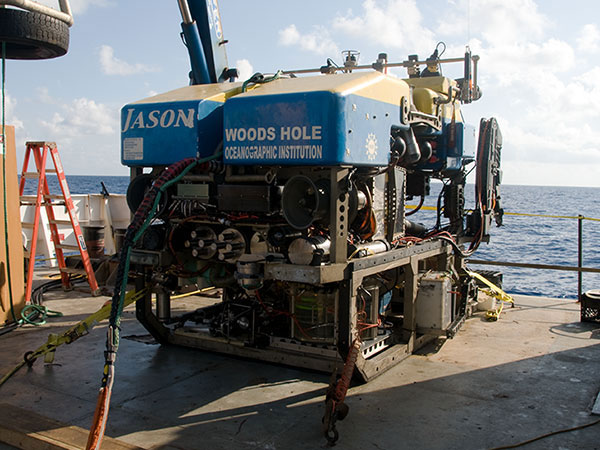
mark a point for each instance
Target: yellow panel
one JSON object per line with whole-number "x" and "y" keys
{"x": 329, "y": 83}
{"x": 438, "y": 84}
{"x": 423, "y": 99}
{"x": 373, "y": 85}
{"x": 425, "y": 90}
{"x": 217, "y": 92}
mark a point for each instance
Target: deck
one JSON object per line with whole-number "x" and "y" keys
{"x": 535, "y": 371}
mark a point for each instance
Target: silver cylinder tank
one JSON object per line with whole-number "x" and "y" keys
{"x": 304, "y": 250}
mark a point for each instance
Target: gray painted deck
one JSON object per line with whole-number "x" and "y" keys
{"x": 535, "y": 371}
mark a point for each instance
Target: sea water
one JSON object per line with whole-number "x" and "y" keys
{"x": 523, "y": 239}
{"x": 545, "y": 240}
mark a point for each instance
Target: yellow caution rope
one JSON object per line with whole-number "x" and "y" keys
{"x": 72, "y": 334}
{"x": 494, "y": 291}
{"x": 550, "y": 216}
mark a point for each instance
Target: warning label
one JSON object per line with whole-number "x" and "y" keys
{"x": 133, "y": 149}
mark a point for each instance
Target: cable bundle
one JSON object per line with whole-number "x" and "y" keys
{"x": 141, "y": 221}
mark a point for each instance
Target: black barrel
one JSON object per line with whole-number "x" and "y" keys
{"x": 94, "y": 240}
{"x": 590, "y": 306}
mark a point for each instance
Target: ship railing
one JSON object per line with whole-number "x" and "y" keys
{"x": 580, "y": 269}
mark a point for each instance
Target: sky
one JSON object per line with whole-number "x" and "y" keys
{"x": 539, "y": 70}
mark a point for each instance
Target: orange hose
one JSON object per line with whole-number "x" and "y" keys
{"x": 341, "y": 388}
{"x": 100, "y": 418}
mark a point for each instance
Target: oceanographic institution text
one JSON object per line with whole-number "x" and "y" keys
{"x": 287, "y": 142}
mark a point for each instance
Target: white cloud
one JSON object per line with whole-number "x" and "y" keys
{"x": 547, "y": 111}
{"x": 10, "y": 107}
{"x": 517, "y": 62}
{"x": 506, "y": 21}
{"x": 589, "y": 38}
{"x": 554, "y": 123}
{"x": 112, "y": 65}
{"x": 392, "y": 24}
{"x": 542, "y": 173}
{"x": 509, "y": 35}
{"x": 86, "y": 131}
{"x": 244, "y": 68}
{"x": 528, "y": 142}
{"x": 590, "y": 78}
{"x": 44, "y": 95}
{"x": 78, "y": 6}
{"x": 317, "y": 41}
{"x": 83, "y": 117}
{"x": 289, "y": 35}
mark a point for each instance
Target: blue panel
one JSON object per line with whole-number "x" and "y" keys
{"x": 451, "y": 148}
{"x": 370, "y": 122}
{"x": 154, "y": 134}
{"x": 312, "y": 128}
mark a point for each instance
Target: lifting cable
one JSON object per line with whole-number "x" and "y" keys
{"x": 35, "y": 313}
{"x": 141, "y": 221}
{"x": 4, "y": 202}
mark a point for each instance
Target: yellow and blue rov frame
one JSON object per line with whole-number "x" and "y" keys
{"x": 324, "y": 120}
{"x": 338, "y": 119}
{"x": 179, "y": 124}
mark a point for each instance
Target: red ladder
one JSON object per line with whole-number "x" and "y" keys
{"x": 43, "y": 198}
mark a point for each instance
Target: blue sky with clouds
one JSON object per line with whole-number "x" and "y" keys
{"x": 539, "y": 69}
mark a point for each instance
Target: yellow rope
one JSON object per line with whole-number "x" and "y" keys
{"x": 550, "y": 216}
{"x": 433, "y": 208}
{"x": 78, "y": 330}
{"x": 187, "y": 294}
{"x": 494, "y": 291}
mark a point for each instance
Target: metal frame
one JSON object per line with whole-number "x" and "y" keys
{"x": 376, "y": 354}
{"x": 406, "y": 64}
{"x": 349, "y": 276}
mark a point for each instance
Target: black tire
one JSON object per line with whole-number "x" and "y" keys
{"x": 31, "y": 35}
{"x": 137, "y": 189}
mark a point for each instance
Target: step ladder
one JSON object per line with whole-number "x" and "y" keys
{"x": 40, "y": 152}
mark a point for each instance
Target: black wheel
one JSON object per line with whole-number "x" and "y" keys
{"x": 137, "y": 189}
{"x": 31, "y": 35}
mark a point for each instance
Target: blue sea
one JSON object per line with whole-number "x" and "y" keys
{"x": 525, "y": 239}
{"x": 541, "y": 240}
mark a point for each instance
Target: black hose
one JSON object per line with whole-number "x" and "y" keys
{"x": 438, "y": 222}
{"x": 417, "y": 208}
{"x": 456, "y": 248}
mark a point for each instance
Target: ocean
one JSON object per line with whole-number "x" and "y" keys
{"x": 525, "y": 239}
{"x": 542, "y": 240}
